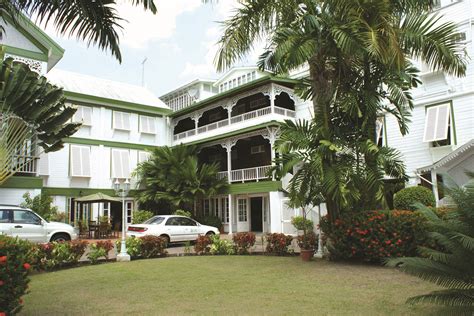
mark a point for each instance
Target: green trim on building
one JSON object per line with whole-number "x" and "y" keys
{"x": 77, "y": 192}
{"x": 234, "y": 133}
{"x": 17, "y": 182}
{"x": 97, "y": 142}
{"x": 25, "y": 53}
{"x": 231, "y": 92}
{"x": 92, "y": 100}
{"x": 255, "y": 187}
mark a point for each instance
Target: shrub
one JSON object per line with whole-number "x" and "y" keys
{"x": 243, "y": 242}
{"x": 133, "y": 246}
{"x": 211, "y": 220}
{"x": 78, "y": 247}
{"x": 407, "y": 198}
{"x": 95, "y": 253}
{"x": 14, "y": 269}
{"x": 141, "y": 216}
{"x": 152, "y": 246}
{"x": 41, "y": 204}
{"x": 55, "y": 255}
{"x": 202, "y": 245}
{"x": 278, "y": 243}
{"x": 220, "y": 246}
{"x": 107, "y": 245}
{"x": 374, "y": 235}
{"x": 183, "y": 213}
{"x": 308, "y": 241}
{"x": 302, "y": 223}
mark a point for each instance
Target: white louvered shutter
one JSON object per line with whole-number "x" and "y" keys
{"x": 125, "y": 164}
{"x": 86, "y": 115}
{"x": 147, "y": 124}
{"x": 116, "y": 164}
{"x": 118, "y": 120}
{"x": 80, "y": 161}
{"x": 436, "y": 123}
{"x": 143, "y": 156}
{"x": 126, "y": 121}
{"x": 43, "y": 165}
{"x": 86, "y": 161}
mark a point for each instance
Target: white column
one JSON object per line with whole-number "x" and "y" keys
{"x": 434, "y": 182}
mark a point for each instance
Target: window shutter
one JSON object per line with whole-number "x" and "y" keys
{"x": 86, "y": 161}
{"x": 436, "y": 123}
{"x": 143, "y": 156}
{"x": 126, "y": 121}
{"x": 118, "y": 120}
{"x": 80, "y": 161}
{"x": 125, "y": 164}
{"x": 77, "y": 117}
{"x": 86, "y": 115}
{"x": 147, "y": 124}
{"x": 43, "y": 165}
{"x": 116, "y": 164}
{"x": 151, "y": 125}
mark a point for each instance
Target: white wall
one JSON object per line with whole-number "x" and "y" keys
{"x": 15, "y": 196}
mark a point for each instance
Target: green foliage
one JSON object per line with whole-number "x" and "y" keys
{"x": 133, "y": 246}
{"x": 278, "y": 244}
{"x": 211, "y": 220}
{"x": 152, "y": 246}
{"x": 183, "y": 213}
{"x": 95, "y": 22}
{"x": 95, "y": 253}
{"x": 56, "y": 255}
{"x": 406, "y": 199}
{"x": 202, "y": 245}
{"x": 243, "y": 242}
{"x": 374, "y": 235}
{"x": 141, "y": 216}
{"x": 450, "y": 262}
{"x": 173, "y": 175}
{"x": 14, "y": 269}
{"x": 42, "y": 204}
{"x": 358, "y": 54}
{"x": 221, "y": 246}
{"x": 302, "y": 223}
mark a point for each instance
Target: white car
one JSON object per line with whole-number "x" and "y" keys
{"x": 174, "y": 228}
{"x": 23, "y": 223}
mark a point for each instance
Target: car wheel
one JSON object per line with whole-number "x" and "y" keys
{"x": 60, "y": 237}
{"x": 210, "y": 234}
{"x": 166, "y": 238}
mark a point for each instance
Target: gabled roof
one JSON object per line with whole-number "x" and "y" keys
{"x": 187, "y": 85}
{"x": 224, "y": 77}
{"x": 469, "y": 146}
{"x": 106, "y": 89}
{"x": 46, "y": 44}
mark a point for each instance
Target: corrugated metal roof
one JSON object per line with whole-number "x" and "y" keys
{"x": 93, "y": 86}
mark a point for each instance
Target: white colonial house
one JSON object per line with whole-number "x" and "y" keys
{"x": 233, "y": 120}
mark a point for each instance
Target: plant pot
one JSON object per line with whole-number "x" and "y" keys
{"x": 306, "y": 254}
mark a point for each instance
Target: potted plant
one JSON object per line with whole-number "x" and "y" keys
{"x": 306, "y": 237}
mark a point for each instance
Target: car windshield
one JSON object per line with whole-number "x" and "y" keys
{"x": 154, "y": 220}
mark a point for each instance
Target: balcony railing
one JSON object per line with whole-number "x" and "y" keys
{"x": 236, "y": 119}
{"x": 247, "y": 174}
{"x": 25, "y": 164}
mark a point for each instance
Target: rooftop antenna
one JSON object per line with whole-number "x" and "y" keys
{"x": 143, "y": 71}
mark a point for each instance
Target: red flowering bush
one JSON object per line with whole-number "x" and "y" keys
{"x": 278, "y": 244}
{"x": 152, "y": 246}
{"x": 106, "y": 245}
{"x": 374, "y": 235}
{"x": 308, "y": 241}
{"x": 243, "y": 242}
{"x": 15, "y": 255}
{"x": 56, "y": 255}
{"x": 202, "y": 245}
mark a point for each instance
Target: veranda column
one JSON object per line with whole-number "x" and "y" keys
{"x": 196, "y": 118}
{"x": 231, "y": 222}
{"x": 272, "y": 99}
{"x": 434, "y": 184}
{"x": 227, "y": 145}
{"x": 271, "y": 135}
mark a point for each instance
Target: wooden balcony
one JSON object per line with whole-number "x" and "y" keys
{"x": 247, "y": 174}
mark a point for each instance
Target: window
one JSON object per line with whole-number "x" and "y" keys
{"x": 4, "y": 216}
{"x": 206, "y": 208}
{"x": 80, "y": 161}
{"x": 143, "y": 156}
{"x": 257, "y": 103}
{"x": 214, "y": 117}
{"x": 257, "y": 149}
{"x": 183, "y": 221}
{"x": 147, "y": 125}
{"x": 437, "y": 124}
{"x": 25, "y": 217}
{"x": 172, "y": 221}
{"x": 120, "y": 164}
{"x": 225, "y": 210}
{"x": 121, "y": 120}
{"x": 106, "y": 208}
{"x": 129, "y": 210}
{"x": 242, "y": 208}
{"x": 83, "y": 115}
{"x": 460, "y": 37}
{"x": 154, "y": 220}
{"x": 379, "y": 131}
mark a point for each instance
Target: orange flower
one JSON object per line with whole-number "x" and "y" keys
{"x": 3, "y": 259}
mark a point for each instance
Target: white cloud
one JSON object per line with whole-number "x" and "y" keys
{"x": 144, "y": 27}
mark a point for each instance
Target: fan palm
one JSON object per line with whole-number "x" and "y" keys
{"x": 451, "y": 263}
{"x": 358, "y": 55}
{"x": 95, "y": 22}
{"x": 33, "y": 117}
{"x": 173, "y": 175}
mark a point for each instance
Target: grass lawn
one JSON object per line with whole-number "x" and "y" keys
{"x": 226, "y": 284}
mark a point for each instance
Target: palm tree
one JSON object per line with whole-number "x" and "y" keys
{"x": 450, "y": 263}
{"x": 358, "y": 55}
{"x": 33, "y": 117}
{"x": 173, "y": 175}
{"x": 95, "y": 22}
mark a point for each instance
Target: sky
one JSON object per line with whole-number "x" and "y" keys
{"x": 179, "y": 43}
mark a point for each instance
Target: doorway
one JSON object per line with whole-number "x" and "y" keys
{"x": 256, "y": 219}
{"x": 116, "y": 216}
